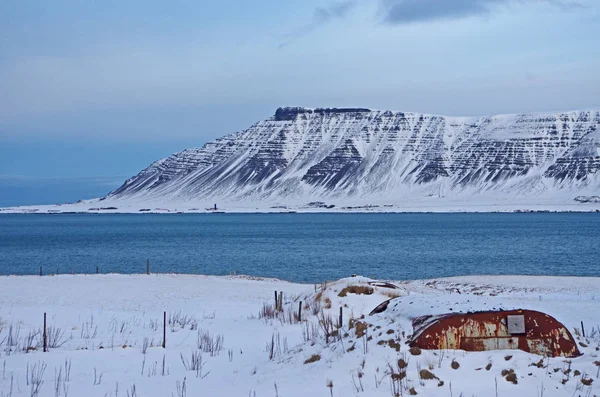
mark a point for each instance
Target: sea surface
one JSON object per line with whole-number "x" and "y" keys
{"x": 304, "y": 247}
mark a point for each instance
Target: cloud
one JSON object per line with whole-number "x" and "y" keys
{"x": 336, "y": 10}
{"x": 414, "y": 11}
{"x": 321, "y": 16}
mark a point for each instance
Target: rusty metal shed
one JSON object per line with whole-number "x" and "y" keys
{"x": 526, "y": 330}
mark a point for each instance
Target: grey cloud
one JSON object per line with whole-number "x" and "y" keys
{"x": 321, "y": 16}
{"x": 336, "y": 10}
{"x": 414, "y": 11}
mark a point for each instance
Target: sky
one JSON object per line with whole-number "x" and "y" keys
{"x": 93, "y": 91}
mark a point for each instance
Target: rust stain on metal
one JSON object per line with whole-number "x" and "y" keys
{"x": 541, "y": 334}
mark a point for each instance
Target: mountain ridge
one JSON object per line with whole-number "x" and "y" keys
{"x": 324, "y": 153}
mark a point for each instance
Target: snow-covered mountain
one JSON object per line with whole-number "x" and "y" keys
{"x": 302, "y": 154}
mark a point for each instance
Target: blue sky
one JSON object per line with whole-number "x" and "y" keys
{"x": 93, "y": 91}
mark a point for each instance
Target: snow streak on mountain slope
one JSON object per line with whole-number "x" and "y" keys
{"x": 343, "y": 153}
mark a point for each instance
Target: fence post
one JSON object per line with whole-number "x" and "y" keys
{"x": 583, "y": 329}
{"x": 300, "y": 311}
{"x": 341, "y": 317}
{"x": 276, "y": 305}
{"x": 147, "y": 266}
{"x": 45, "y": 335}
{"x": 280, "y": 301}
{"x": 40, "y": 270}
{"x": 96, "y": 269}
{"x": 164, "y": 329}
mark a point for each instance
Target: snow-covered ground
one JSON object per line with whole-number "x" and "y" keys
{"x": 508, "y": 203}
{"x": 100, "y": 324}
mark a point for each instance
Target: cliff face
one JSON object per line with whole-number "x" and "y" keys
{"x": 323, "y": 153}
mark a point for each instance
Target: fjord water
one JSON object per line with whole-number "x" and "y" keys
{"x": 304, "y": 247}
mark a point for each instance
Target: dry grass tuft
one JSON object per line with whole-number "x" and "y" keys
{"x": 507, "y": 358}
{"x": 427, "y": 375}
{"x": 312, "y": 359}
{"x": 510, "y": 376}
{"x": 587, "y": 381}
{"x": 415, "y": 351}
{"x": 412, "y": 391}
{"x": 356, "y": 289}
{"x": 454, "y": 364}
{"x": 539, "y": 364}
{"x": 402, "y": 364}
{"x": 360, "y": 328}
{"x": 391, "y": 294}
{"x": 327, "y": 303}
{"x": 394, "y": 345}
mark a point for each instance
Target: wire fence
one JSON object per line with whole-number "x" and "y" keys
{"x": 72, "y": 331}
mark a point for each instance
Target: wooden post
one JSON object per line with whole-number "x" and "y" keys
{"x": 45, "y": 335}
{"x": 280, "y": 301}
{"x": 147, "y": 266}
{"x": 57, "y": 271}
{"x": 276, "y": 305}
{"x": 300, "y": 311}
{"x": 40, "y": 270}
{"x": 583, "y": 329}
{"x": 164, "y": 329}
{"x": 96, "y": 269}
{"x": 341, "y": 317}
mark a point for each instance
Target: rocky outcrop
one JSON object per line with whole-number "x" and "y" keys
{"x": 359, "y": 152}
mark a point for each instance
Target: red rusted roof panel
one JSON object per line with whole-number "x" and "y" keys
{"x": 490, "y": 330}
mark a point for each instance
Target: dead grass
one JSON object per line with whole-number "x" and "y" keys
{"x": 510, "y": 376}
{"x": 391, "y": 294}
{"x": 360, "y": 328}
{"x": 356, "y": 289}
{"x": 587, "y": 381}
{"x": 402, "y": 364}
{"x": 539, "y": 364}
{"x": 507, "y": 358}
{"x": 394, "y": 345}
{"x": 327, "y": 303}
{"x": 427, "y": 375}
{"x": 415, "y": 351}
{"x": 488, "y": 367}
{"x": 412, "y": 391}
{"x": 312, "y": 359}
{"x": 267, "y": 311}
{"x": 454, "y": 364}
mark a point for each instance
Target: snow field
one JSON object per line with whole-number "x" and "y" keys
{"x": 225, "y": 337}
